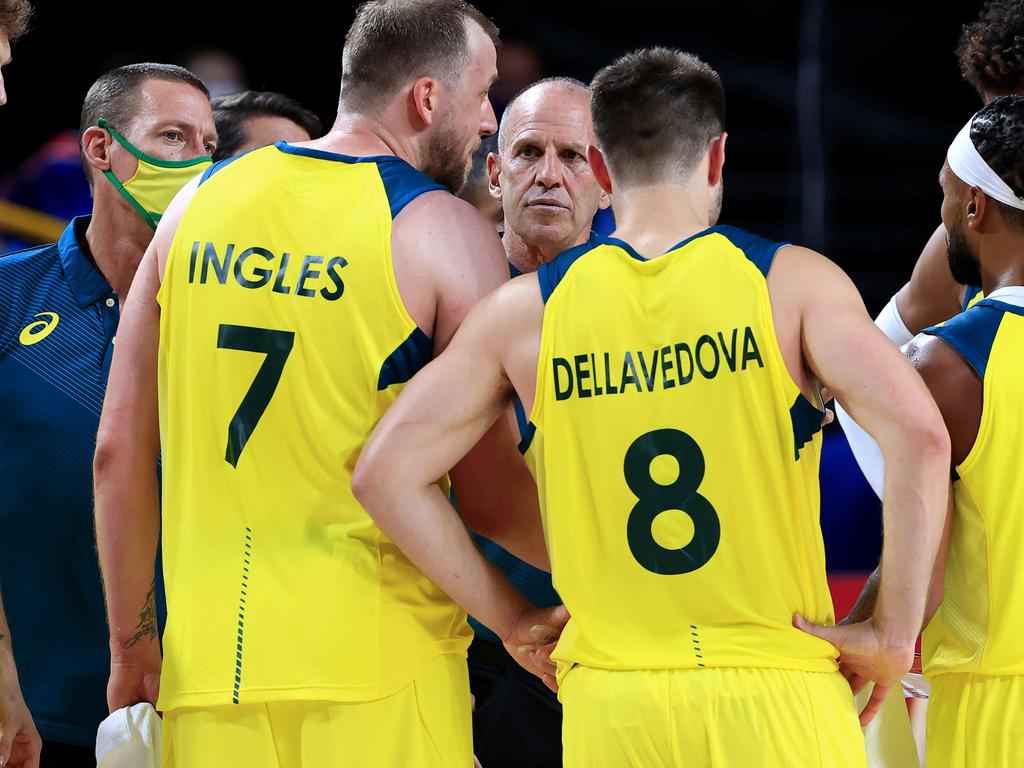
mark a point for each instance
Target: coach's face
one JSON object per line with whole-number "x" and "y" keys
{"x": 172, "y": 121}
{"x": 468, "y": 115}
{"x": 542, "y": 178}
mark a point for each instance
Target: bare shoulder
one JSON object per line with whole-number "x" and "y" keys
{"x": 810, "y": 294}
{"x": 514, "y": 306}
{"x": 796, "y": 269}
{"x": 507, "y": 326}
{"x": 954, "y": 385}
{"x": 938, "y": 363}
{"x": 520, "y": 298}
{"x": 449, "y": 229}
{"x": 446, "y": 257}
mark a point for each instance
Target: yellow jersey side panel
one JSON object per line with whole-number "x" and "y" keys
{"x": 679, "y": 494}
{"x": 979, "y": 627}
{"x": 283, "y": 341}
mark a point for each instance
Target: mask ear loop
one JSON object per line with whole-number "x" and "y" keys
{"x": 102, "y": 123}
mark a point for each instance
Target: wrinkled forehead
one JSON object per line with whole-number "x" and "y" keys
{"x": 158, "y": 101}
{"x": 554, "y": 112}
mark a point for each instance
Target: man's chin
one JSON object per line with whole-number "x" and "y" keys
{"x": 548, "y": 237}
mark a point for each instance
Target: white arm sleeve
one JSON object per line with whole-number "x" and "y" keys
{"x": 892, "y": 324}
{"x": 865, "y": 449}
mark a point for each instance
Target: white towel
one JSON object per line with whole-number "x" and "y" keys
{"x": 129, "y": 738}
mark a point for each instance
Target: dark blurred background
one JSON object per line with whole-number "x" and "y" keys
{"x": 839, "y": 113}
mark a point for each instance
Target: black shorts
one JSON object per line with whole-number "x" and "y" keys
{"x": 518, "y": 721}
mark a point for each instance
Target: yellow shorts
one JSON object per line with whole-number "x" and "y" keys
{"x": 972, "y": 721}
{"x": 425, "y": 725}
{"x": 709, "y": 717}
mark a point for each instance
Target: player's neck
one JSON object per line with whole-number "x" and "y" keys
{"x": 1001, "y": 261}
{"x": 365, "y": 135}
{"x": 116, "y": 239}
{"x": 528, "y": 258}
{"x": 654, "y": 218}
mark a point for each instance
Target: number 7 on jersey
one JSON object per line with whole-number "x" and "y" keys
{"x": 276, "y": 345}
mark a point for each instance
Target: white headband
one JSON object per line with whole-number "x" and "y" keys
{"x": 971, "y": 168}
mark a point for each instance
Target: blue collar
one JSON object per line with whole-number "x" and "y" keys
{"x": 85, "y": 281}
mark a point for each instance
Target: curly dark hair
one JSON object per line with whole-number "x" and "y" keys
{"x": 991, "y": 49}
{"x": 997, "y": 132}
{"x": 14, "y": 18}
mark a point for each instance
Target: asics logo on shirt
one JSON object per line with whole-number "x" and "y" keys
{"x": 35, "y": 332}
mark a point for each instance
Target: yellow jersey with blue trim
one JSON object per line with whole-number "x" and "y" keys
{"x": 283, "y": 339}
{"x": 978, "y": 626}
{"x": 676, "y": 461}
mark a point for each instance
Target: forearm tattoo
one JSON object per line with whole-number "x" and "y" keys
{"x": 146, "y": 629}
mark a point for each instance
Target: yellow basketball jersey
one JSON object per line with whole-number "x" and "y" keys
{"x": 676, "y": 461}
{"x": 972, "y": 295}
{"x": 979, "y": 627}
{"x": 283, "y": 339}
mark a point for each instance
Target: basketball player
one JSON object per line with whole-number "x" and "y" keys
{"x": 288, "y": 297}
{"x": 672, "y": 369}
{"x": 973, "y": 651}
{"x": 991, "y": 58}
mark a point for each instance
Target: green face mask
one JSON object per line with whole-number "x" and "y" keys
{"x": 156, "y": 182}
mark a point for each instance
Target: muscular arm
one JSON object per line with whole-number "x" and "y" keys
{"x": 879, "y": 388}
{"x": 420, "y": 438}
{"x": 124, "y": 469}
{"x": 932, "y": 295}
{"x": 957, "y": 391}
{"x": 881, "y": 391}
{"x": 443, "y": 242}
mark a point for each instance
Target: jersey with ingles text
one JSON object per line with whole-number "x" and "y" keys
{"x": 676, "y": 461}
{"x": 283, "y": 339}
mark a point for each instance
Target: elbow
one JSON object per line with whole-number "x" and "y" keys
{"x": 920, "y": 439}
{"x": 933, "y": 443}
{"x": 106, "y": 458}
{"x": 365, "y": 477}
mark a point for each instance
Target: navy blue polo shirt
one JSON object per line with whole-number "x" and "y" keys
{"x": 58, "y": 317}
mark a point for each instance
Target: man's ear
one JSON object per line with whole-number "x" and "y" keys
{"x": 96, "y": 148}
{"x": 716, "y": 159}
{"x": 600, "y": 169}
{"x": 975, "y": 207}
{"x": 493, "y": 172}
{"x": 425, "y": 100}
